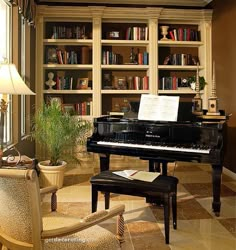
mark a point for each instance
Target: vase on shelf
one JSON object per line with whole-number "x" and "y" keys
{"x": 164, "y": 32}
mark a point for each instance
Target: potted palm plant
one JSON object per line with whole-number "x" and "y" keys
{"x": 59, "y": 133}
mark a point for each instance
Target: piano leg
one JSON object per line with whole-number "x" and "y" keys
{"x": 158, "y": 166}
{"x": 154, "y": 166}
{"x": 104, "y": 162}
{"x": 216, "y": 183}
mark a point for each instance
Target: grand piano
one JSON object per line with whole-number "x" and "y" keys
{"x": 162, "y": 142}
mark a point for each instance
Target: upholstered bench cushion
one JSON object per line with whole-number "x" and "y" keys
{"x": 110, "y": 182}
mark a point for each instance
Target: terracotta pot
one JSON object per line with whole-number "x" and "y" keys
{"x": 51, "y": 175}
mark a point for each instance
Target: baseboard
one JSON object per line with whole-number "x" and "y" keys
{"x": 229, "y": 173}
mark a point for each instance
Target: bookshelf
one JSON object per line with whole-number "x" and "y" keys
{"x": 120, "y": 51}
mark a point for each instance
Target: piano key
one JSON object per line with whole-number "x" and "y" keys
{"x": 156, "y": 147}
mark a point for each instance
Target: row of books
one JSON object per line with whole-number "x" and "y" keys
{"x": 61, "y": 56}
{"x": 68, "y": 32}
{"x": 81, "y": 55}
{"x": 140, "y": 83}
{"x": 184, "y": 34}
{"x": 142, "y": 58}
{"x": 181, "y": 59}
{"x": 136, "y": 33}
{"x": 84, "y": 108}
{"x": 173, "y": 83}
{"x": 67, "y": 83}
{"x": 64, "y": 82}
{"x": 109, "y": 57}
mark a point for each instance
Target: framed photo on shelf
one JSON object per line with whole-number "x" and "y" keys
{"x": 52, "y": 55}
{"x": 82, "y": 83}
{"x": 69, "y": 108}
{"x": 51, "y": 98}
{"x": 114, "y": 34}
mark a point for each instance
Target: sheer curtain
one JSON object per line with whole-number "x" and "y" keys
{"x": 5, "y": 53}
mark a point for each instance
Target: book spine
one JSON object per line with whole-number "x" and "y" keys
{"x": 171, "y": 33}
{"x": 85, "y": 55}
{"x": 146, "y": 33}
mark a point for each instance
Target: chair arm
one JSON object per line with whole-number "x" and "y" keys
{"x": 12, "y": 243}
{"x": 48, "y": 190}
{"x": 87, "y": 222}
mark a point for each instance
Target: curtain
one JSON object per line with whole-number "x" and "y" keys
{"x": 27, "y": 8}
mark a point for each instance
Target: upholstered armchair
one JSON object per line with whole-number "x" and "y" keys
{"x": 22, "y": 225}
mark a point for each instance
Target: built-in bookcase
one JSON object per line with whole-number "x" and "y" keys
{"x": 104, "y": 57}
{"x": 67, "y": 53}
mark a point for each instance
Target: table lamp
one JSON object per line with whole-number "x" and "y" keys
{"x": 11, "y": 83}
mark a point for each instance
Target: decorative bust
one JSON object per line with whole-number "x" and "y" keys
{"x": 50, "y": 83}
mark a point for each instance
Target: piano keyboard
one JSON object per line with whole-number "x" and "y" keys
{"x": 156, "y": 147}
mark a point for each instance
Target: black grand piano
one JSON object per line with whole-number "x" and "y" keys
{"x": 162, "y": 142}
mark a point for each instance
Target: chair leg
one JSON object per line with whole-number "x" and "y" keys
{"x": 94, "y": 199}
{"x": 107, "y": 200}
{"x": 54, "y": 202}
{"x": 167, "y": 217}
{"x": 174, "y": 210}
{"x": 120, "y": 227}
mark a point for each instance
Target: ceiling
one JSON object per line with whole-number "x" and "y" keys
{"x": 183, "y": 3}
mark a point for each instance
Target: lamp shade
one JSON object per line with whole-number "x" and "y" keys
{"x": 11, "y": 82}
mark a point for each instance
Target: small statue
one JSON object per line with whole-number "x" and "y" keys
{"x": 132, "y": 58}
{"x": 50, "y": 81}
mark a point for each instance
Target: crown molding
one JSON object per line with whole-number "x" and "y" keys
{"x": 187, "y": 3}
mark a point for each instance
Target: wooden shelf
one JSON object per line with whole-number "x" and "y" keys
{"x": 68, "y": 66}
{"x": 171, "y": 43}
{"x": 68, "y": 91}
{"x": 124, "y": 91}
{"x": 75, "y": 42}
{"x": 178, "y": 67}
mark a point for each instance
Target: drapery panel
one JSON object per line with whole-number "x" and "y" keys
{"x": 27, "y": 8}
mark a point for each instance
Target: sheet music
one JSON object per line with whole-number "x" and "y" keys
{"x": 158, "y": 108}
{"x": 138, "y": 175}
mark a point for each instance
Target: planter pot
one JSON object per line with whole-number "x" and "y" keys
{"x": 51, "y": 175}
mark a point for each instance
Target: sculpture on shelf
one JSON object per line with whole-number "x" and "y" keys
{"x": 213, "y": 100}
{"x": 164, "y": 32}
{"x": 50, "y": 83}
{"x": 197, "y": 100}
{"x": 133, "y": 56}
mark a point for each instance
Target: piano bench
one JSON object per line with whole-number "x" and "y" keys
{"x": 163, "y": 187}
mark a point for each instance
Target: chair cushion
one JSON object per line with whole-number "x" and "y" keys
{"x": 93, "y": 238}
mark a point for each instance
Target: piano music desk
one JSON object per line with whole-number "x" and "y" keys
{"x": 163, "y": 187}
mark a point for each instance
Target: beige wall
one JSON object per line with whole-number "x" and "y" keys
{"x": 224, "y": 55}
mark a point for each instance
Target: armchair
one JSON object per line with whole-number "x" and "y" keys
{"x": 22, "y": 225}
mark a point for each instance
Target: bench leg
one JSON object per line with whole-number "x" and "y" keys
{"x": 174, "y": 211}
{"x": 94, "y": 199}
{"x": 167, "y": 217}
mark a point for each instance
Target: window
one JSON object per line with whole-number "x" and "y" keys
{"x": 5, "y": 53}
{"x": 23, "y": 99}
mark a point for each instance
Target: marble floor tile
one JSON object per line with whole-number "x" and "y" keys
{"x": 197, "y": 226}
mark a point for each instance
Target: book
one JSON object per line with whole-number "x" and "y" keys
{"x": 138, "y": 175}
{"x": 85, "y": 55}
